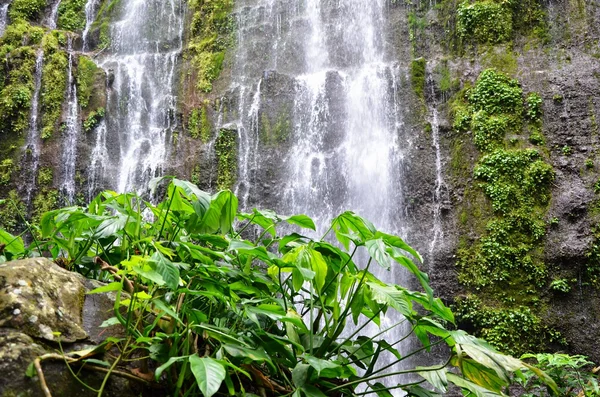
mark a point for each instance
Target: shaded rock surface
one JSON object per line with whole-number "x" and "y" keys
{"x": 37, "y": 299}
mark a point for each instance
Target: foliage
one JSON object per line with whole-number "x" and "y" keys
{"x": 17, "y": 76}
{"x": 226, "y": 150}
{"x": 6, "y": 170}
{"x": 417, "y": 77}
{"x": 211, "y": 29}
{"x": 504, "y": 264}
{"x": 485, "y": 21}
{"x": 199, "y": 126}
{"x": 573, "y": 375}
{"x": 54, "y": 86}
{"x": 26, "y": 9}
{"x": 515, "y": 329}
{"x": 211, "y": 312}
{"x": 86, "y": 75}
{"x": 71, "y": 15}
{"x": 93, "y": 119}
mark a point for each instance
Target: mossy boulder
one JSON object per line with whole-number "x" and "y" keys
{"x": 39, "y": 298}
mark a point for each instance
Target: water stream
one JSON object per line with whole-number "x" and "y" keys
{"x": 3, "y": 17}
{"x": 31, "y": 155}
{"x": 72, "y": 132}
{"x": 146, "y": 43}
{"x": 325, "y": 66}
{"x": 52, "y": 19}
{"x": 91, "y": 8}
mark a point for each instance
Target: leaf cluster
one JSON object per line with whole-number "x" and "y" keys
{"x": 216, "y": 306}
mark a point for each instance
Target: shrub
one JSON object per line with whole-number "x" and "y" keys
{"x": 207, "y": 311}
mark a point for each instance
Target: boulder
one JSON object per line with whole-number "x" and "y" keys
{"x": 38, "y": 300}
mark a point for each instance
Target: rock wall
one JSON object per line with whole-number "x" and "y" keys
{"x": 546, "y": 296}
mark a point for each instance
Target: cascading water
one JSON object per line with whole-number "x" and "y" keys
{"x": 441, "y": 190}
{"x": 71, "y": 134}
{"x": 52, "y": 19}
{"x": 344, "y": 151}
{"x": 3, "y": 17}
{"x": 91, "y": 8}
{"x": 31, "y": 156}
{"x": 146, "y": 43}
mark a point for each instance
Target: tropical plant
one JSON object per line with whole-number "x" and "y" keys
{"x": 212, "y": 306}
{"x": 574, "y": 376}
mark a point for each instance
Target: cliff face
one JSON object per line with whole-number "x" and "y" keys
{"x": 495, "y": 108}
{"x": 518, "y": 204}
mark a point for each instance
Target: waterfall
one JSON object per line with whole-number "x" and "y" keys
{"x": 441, "y": 190}
{"x": 71, "y": 133}
{"x": 325, "y": 66}
{"x": 97, "y": 168}
{"x": 52, "y": 19}
{"x": 440, "y": 185}
{"x": 31, "y": 156}
{"x": 146, "y": 44}
{"x": 3, "y": 17}
{"x": 91, "y": 8}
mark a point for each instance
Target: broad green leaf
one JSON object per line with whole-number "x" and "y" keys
{"x": 115, "y": 286}
{"x": 209, "y": 374}
{"x": 481, "y": 375}
{"x": 437, "y": 378}
{"x": 476, "y": 390}
{"x": 111, "y": 226}
{"x": 408, "y": 264}
{"x": 253, "y": 355}
{"x": 302, "y": 221}
{"x": 13, "y": 245}
{"x": 544, "y": 377}
{"x": 221, "y": 213}
{"x": 300, "y": 374}
{"x": 320, "y": 364}
{"x": 31, "y": 370}
{"x": 392, "y": 296}
{"x": 166, "y": 268}
{"x": 166, "y": 308}
{"x": 166, "y": 365}
{"x": 397, "y": 242}
{"x": 377, "y": 251}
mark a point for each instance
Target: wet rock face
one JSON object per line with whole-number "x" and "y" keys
{"x": 37, "y": 299}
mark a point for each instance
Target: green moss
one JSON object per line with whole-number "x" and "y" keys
{"x": 54, "y": 86}
{"x": 417, "y": 77}
{"x": 277, "y": 132}
{"x": 515, "y": 331}
{"x": 21, "y": 33}
{"x": 211, "y": 29}
{"x": 501, "y": 58}
{"x": 31, "y": 10}
{"x": 226, "y": 150}
{"x": 71, "y": 15}
{"x": 504, "y": 265}
{"x": 86, "y": 77}
{"x": 7, "y": 167}
{"x": 485, "y": 21}
{"x": 46, "y": 200}
{"x": 11, "y": 209}
{"x": 198, "y": 125}
{"x": 45, "y": 176}
{"x": 17, "y": 77}
{"x": 196, "y": 176}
